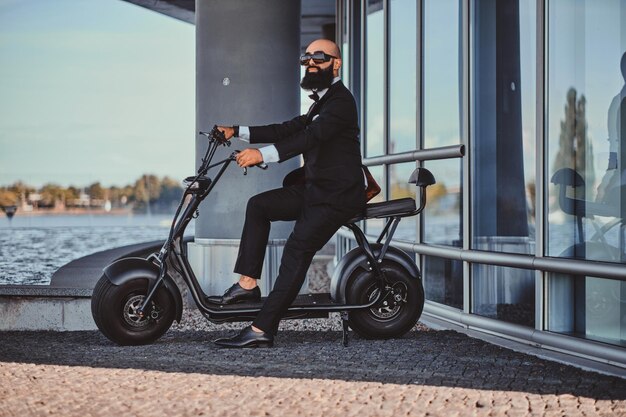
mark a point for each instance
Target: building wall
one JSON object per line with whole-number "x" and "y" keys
{"x": 526, "y": 230}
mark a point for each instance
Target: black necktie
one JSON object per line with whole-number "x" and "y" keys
{"x": 315, "y": 97}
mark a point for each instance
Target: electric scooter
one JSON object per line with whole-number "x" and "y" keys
{"x": 376, "y": 287}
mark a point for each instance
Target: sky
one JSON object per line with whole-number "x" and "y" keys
{"x": 94, "y": 91}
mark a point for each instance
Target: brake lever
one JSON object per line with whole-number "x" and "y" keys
{"x": 219, "y": 136}
{"x": 261, "y": 165}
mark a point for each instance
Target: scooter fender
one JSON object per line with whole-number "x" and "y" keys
{"x": 127, "y": 269}
{"x": 356, "y": 259}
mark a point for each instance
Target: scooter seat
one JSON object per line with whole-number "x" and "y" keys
{"x": 399, "y": 207}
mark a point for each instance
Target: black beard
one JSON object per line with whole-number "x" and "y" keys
{"x": 319, "y": 80}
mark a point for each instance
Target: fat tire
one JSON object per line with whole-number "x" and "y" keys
{"x": 364, "y": 322}
{"x": 107, "y": 305}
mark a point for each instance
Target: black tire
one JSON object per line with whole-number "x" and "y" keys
{"x": 389, "y": 318}
{"x": 112, "y": 310}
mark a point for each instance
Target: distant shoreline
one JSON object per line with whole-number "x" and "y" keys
{"x": 74, "y": 212}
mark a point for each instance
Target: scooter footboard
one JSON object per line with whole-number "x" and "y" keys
{"x": 356, "y": 259}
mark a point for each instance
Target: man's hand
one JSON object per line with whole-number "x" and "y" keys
{"x": 249, "y": 157}
{"x": 228, "y": 131}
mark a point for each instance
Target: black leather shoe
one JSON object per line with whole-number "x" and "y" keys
{"x": 236, "y": 294}
{"x": 247, "y": 338}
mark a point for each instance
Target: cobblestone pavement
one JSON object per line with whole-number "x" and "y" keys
{"x": 307, "y": 373}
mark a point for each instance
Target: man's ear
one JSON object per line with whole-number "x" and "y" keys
{"x": 337, "y": 63}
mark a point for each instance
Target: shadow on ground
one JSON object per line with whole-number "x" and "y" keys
{"x": 435, "y": 358}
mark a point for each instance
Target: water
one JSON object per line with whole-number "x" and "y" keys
{"x": 32, "y": 248}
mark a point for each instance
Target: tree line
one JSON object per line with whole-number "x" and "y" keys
{"x": 148, "y": 192}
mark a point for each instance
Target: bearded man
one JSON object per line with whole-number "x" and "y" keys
{"x": 332, "y": 192}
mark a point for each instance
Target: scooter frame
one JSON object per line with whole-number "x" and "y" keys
{"x": 174, "y": 253}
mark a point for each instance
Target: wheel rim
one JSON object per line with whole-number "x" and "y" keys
{"x": 391, "y": 305}
{"x": 131, "y": 312}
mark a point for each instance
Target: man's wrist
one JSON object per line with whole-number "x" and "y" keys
{"x": 269, "y": 154}
{"x": 236, "y": 131}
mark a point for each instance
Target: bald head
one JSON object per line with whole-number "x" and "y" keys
{"x": 324, "y": 45}
{"x": 329, "y": 47}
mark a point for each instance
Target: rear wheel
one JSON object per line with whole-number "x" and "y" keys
{"x": 396, "y": 312}
{"x": 115, "y": 311}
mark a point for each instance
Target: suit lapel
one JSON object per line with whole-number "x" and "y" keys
{"x": 316, "y": 106}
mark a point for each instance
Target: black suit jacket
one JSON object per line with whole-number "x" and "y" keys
{"x": 328, "y": 138}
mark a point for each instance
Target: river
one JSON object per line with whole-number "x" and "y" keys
{"x": 32, "y": 248}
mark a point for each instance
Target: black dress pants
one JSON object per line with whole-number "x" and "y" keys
{"x": 315, "y": 225}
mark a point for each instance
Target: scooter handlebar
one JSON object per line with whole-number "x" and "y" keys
{"x": 261, "y": 165}
{"x": 216, "y": 135}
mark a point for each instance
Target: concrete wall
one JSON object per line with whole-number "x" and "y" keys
{"x": 247, "y": 73}
{"x": 45, "y": 308}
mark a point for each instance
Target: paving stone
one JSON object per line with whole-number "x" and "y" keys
{"x": 307, "y": 373}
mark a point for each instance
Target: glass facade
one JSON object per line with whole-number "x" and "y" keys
{"x": 375, "y": 78}
{"x": 586, "y": 163}
{"x": 503, "y": 154}
{"x": 402, "y": 76}
{"x": 443, "y": 278}
{"x": 536, "y": 91}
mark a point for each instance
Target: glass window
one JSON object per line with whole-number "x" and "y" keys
{"x": 503, "y": 150}
{"x": 399, "y": 175}
{"x": 442, "y": 95}
{"x": 587, "y": 162}
{"x": 506, "y": 294}
{"x": 375, "y": 226}
{"x": 588, "y": 307}
{"x": 345, "y": 38}
{"x": 586, "y": 154}
{"x": 443, "y": 278}
{"x": 402, "y": 76}
{"x": 441, "y": 220}
{"x": 503, "y": 140}
{"x": 375, "y": 79}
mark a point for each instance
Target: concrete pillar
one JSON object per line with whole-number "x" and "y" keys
{"x": 247, "y": 73}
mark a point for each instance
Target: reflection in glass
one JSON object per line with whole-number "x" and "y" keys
{"x": 589, "y": 307}
{"x": 402, "y": 76}
{"x": 504, "y": 294}
{"x": 443, "y": 278}
{"x": 586, "y": 156}
{"x": 441, "y": 73}
{"x": 586, "y": 152}
{"x": 503, "y": 142}
{"x": 374, "y": 72}
{"x": 503, "y": 149}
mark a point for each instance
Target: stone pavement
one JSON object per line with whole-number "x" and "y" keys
{"x": 307, "y": 373}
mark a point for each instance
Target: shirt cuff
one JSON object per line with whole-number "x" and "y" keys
{"x": 244, "y": 133}
{"x": 270, "y": 153}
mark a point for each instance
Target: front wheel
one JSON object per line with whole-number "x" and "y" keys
{"x": 397, "y": 311}
{"x": 114, "y": 309}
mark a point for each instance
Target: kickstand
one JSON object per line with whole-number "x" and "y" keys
{"x": 344, "y": 322}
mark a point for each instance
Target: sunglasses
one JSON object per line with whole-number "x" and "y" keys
{"x": 317, "y": 57}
